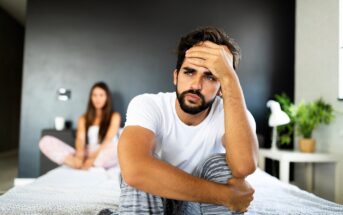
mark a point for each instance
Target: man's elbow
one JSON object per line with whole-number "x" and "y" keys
{"x": 132, "y": 176}
{"x": 243, "y": 171}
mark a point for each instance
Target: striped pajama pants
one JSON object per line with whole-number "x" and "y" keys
{"x": 214, "y": 168}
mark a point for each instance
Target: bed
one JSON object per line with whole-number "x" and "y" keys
{"x": 64, "y": 191}
{"x": 67, "y": 191}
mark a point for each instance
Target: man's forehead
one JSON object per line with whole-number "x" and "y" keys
{"x": 203, "y": 43}
{"x": 187, "y": 64}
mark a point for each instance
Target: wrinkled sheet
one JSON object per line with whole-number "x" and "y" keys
{"x": 68, "y": 191}
{"x": 65, "y": 191}
{"x": 273, "y": 197}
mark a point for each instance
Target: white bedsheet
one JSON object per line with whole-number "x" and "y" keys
{"x": 273, "y": 197}
{"x": 67, "y": 191}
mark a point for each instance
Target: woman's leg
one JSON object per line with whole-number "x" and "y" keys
{"x": 57, "y": 151}
{"x": 107, "y": 158}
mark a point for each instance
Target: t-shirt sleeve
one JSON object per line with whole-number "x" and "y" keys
{"x": 252, "y": 121}
{"x": 143, "y": 111}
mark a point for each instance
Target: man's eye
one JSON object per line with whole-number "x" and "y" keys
{"x": 210, "y": 78}
{"x": 188, "y": 73}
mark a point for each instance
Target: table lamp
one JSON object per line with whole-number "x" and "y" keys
{"x": 276, "y": 118}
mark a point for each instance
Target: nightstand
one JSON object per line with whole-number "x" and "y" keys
{"x": 285, "y": 157}
{"x": 67, "y": 136}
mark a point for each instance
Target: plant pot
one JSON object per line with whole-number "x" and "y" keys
{"x": 307, "y": 145}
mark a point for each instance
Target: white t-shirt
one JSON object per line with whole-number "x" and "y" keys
{"x": 179, "y": 144}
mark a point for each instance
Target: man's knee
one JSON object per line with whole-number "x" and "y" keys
{"x": 134, "y": 201}
{"x": 214, "y": 168}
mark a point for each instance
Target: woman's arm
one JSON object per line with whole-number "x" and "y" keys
{"x": 80, "y": 138}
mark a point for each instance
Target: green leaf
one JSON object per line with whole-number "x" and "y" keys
{"x": 308, "y": 116}
{"x": 305, "y": 117}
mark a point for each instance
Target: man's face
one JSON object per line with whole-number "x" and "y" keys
{"x": 196, "y": 87}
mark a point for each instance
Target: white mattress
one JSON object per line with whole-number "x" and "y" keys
{"x": 67, "y": 191}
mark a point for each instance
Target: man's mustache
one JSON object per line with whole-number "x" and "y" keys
{"x": 196, "y": 92}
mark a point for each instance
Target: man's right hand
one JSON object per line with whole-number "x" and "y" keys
{"x": 241, "y": 194}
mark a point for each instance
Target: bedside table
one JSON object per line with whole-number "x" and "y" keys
{"x": 285, "y": 157}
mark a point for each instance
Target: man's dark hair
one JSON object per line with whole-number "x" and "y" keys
{"x": 207, "y": 34}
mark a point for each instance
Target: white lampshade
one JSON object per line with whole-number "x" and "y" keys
{"x": 277, "y": 117}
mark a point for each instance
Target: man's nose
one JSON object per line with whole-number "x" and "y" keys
{"x": 196, "y": 83}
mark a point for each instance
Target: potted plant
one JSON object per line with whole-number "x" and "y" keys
{"x": 307, "y": 117}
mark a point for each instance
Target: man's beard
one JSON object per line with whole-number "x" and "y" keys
{"x": 193, "y": 109}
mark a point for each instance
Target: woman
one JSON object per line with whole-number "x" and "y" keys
{"x": 96, "y": 137}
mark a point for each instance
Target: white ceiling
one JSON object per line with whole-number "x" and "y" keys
{"x": 16, "y": 8}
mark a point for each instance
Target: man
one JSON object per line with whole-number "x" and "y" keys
{"x": 168, "y": 136}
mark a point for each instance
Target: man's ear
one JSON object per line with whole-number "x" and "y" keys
{"x": 175, "y": 77}
{"x": 220, "y": 92}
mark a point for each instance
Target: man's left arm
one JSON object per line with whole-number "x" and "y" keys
{"x": 239, "y": 138}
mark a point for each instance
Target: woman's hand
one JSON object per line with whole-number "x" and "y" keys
{"x": 73, "y": 161}
{"x": 94, "y": 154}
{"x": 88, "y": 163}
{"x": 78, "y": 162}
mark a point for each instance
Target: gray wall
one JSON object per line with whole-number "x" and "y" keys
{"x": 316, "y": 72}
{"x": 11, "y": 61}
{"x": 131, "y": 44}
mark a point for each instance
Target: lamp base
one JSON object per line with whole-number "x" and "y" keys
{"x": 274, "y": 138}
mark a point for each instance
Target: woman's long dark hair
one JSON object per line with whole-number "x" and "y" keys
{"x": 107, "y": 111}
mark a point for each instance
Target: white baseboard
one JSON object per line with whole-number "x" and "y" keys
{"x": 23, "y": 181}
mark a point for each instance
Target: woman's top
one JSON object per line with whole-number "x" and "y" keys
{"x": 93, "y": 137}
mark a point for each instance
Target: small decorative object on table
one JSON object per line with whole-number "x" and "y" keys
{"x": 277, "y": 118}
{"x": 308, "y": 116}
{"x": 59, "y": 123}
